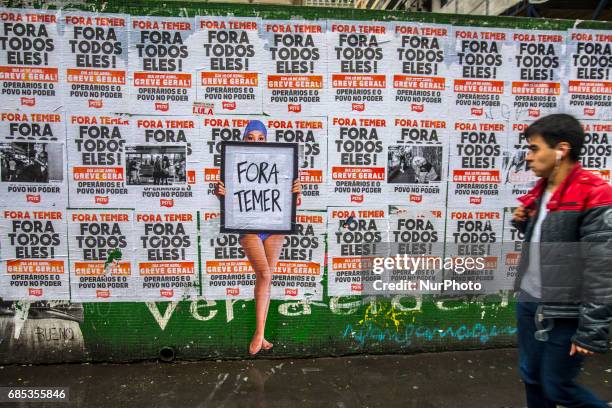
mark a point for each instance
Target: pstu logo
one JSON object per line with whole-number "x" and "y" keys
{"x": 166, "y": 202}
{"x": 589, "y": 111}
{"x": 294, "y": 108}
{"x": 417, "y": 107}
{"x": 28, "y": 101}
{"x": 291, "y": 292}
{"x": 101, "y": 199}
{"x": 356, "y": 198}
{"x": 475, "y": 200}
{"x": 232, "y": 291}
{"x": 228, "y": 105}
{"x": 416, "y": 198}
{"x": 358, "y": 107}
{"x": 162, "y": 107}
{"x": 33, "y": 198}
{"x": 477, "y": 111}
{"x": 166, "y": 293}
{"x": 95, "y": 103}
{"x": 356, "y": 287}
{"x": 534, "y": 112}
{"x": 35, "y": 291}
{"x": 102, "y": 293}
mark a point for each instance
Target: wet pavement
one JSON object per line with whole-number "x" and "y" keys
{"x": 483, "y": 379}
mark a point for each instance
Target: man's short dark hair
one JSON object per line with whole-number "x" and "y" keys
{"x": 557, "y": 128}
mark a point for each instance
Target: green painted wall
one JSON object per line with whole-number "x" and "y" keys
{"x": 335, "y": 326}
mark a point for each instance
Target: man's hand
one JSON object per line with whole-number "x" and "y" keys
{"x": 580, "y": 350}
{"x": 520, "y": 214}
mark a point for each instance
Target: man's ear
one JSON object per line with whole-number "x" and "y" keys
{"x": 563, "y": 150}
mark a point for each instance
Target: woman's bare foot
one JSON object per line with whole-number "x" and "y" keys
{"x": 267, "y": 345}
{"x": 256, "y": 344}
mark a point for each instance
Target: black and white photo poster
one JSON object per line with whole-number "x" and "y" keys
{"x": 33, "y": 159}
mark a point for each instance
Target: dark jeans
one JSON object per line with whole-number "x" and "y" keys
{"x": 546, "y": 367}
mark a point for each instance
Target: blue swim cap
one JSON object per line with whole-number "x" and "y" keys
{"x": 255, "y": 125}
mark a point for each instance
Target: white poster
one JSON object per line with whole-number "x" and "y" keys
{"x": 480, "y": 68}
{"x": 229, "y": 66}
{"x": 94, "y": 61}
{"x": 34, "y": 255}
{"x": 299, "y": 270}
{"x": 101, "y": 244}
{"x": 213, "y": 131}
{"x": 96, "y": 161}
{"x": 228, "y": 274}
{"x": 167, "y": 255}
{"x": 536, "y": 74}
{"x": 356, "y": 160}
{"x": 162, "y": 158}
{"x": 355, "y": 236}
{"x": 417, "y": 161}
{"x": 30, "y": 55}
{"x": 358, "y": 60}
{"x": 475, "y": 164}
{"x": 516, "y": 177}
{"x": 473, "y": 241}
{"x": 596, "y": 152}
{"x": 421, "y": 69}
{"x": 296, "y": 66}
{"x": 33, "y": 155}
{"x": 418, "y": 233}
{"x": 311, "y": 136}
{"x": 259, "y": 180}
{"x": 160, "y": 65}
{"x": 589, "y": 56}
{"x": 511, "y": 252}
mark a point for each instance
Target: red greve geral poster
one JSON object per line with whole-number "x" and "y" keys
{"x": 355, "y": 237}
{"x": 229, "y": 66}
{"x": 160, "y": 61}
{"x": 33, "y": 155}
{"x": 421, "y": 69}
{"x": 476, "y": 236}
{"x": 596, "y": 152}
{"x": 358, "y": 60}
{"x": 476, "y": 153}
{"x": 480, "y": 72}
{"x": 29, "y": 59}
{"x": 95, "y": 50}
{"x": 311, "y": 135}
{"x": 296, "y": 68}
{"x": 590, "y": 74}
{"x": 356, "y": 160}
{"x": 96, "y": 161}
{"x": 34, "y": 255}
{"x": 517, "y": 178}
{"x": 101, "y": 244}
{"x": 536, "y": 74}
{"x": 167, "y": 255}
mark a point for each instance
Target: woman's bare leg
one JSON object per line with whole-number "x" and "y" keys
{"x": 255, "y": 252}
{"x": 273, "y": 246}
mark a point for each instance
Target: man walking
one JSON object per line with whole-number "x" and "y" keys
{"x": 565, "y": 276}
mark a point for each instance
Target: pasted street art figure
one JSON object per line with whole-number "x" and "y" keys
{"x": 262, "y": 251}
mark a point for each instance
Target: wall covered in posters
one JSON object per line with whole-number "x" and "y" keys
{"x": 409, "y": 133}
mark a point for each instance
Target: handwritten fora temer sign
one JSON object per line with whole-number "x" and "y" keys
{"x": 258, "y": 180}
